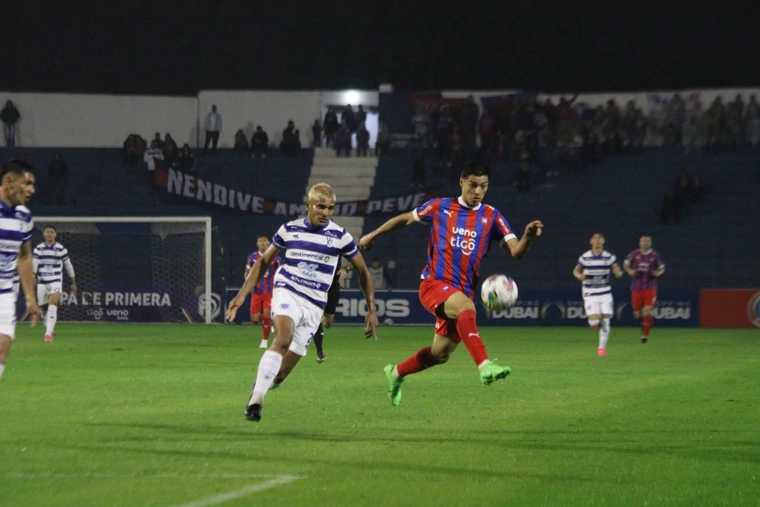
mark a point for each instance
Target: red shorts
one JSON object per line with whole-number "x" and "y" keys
{"x": 641, "y": 298}
{"x": 260, "y": 302}
{"x": 433, "y": 293}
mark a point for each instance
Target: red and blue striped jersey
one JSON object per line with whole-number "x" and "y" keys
{"x": 266, "y": 284}
{"x": 460, "y": 238}
{"x": 644, "y": 264}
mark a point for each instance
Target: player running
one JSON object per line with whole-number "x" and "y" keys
{"x": 314, "y": 246}
{"x": 593, "y": 270}
{"x": 644, "y": 265}
{"x": 50, "y": 257}
{"x": 261, "y": 296}
{"x": 16, "y": 188}
{"x": 460, "y": 237}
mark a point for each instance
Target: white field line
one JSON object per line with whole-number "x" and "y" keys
{"x": 232, "y": 495}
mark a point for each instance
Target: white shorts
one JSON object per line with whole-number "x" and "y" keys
{"x": 45, "y": 289}
{"x": 8, "y": 315}
{"x": 599, "y": 305}
{"x": 306, "y": 318}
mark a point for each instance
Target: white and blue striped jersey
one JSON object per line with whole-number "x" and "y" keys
{"x": 312, "y": 254}
{"x": 15, "y": 229}
{"x": 49, "y": 261}
{"x": 596, "y": 270}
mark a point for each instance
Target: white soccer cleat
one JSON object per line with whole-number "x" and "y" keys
{"x": 263, "y": 344}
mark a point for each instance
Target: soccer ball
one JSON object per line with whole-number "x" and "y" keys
{"x": 498, "y": 292}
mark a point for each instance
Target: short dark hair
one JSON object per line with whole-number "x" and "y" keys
{"x": 17, "y": 167}
{"x": 475, "y": 169}
{"x": 262, "y": 236}
{"x": 594, "y": 234}
{"x": 645, "y": 235}
{"x": 50, "y": 227}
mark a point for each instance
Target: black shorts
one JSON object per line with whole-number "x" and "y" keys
{"x": 333, "y": 296}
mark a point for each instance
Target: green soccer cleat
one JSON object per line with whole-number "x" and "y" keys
{"x": 394, "y": 385}
{"x": 492, "y": 371}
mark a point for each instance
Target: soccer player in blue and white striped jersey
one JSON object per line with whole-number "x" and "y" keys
{"x": 593, "y": 270}
{"x": 314, "y": 246}
{"x": 16, "y": 225}
{"x": 50, "y": 257}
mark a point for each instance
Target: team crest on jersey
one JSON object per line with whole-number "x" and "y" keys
{"x": 284, "y": 306}
{"x": 330, "y": 242}
{"x": 484, "y": 221}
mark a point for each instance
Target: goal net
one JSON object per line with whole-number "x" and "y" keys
{"x": 135, "y": 269}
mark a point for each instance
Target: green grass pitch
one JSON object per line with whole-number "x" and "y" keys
{"x": 150, "y": 415}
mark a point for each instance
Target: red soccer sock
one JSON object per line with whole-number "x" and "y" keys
{"x": 468, "y": 332}
{"x": 646, "y": 324}
{"x": 266, "y": 326}
{"x": 422, "y": 360}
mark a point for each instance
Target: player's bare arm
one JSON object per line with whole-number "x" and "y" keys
{"x": 394, "y": 224}
{"x": 616, "y": 270}
{"x": 658, "y": 272}
{"x": 254, "y": 276}
{"x": 365, "y": 282}
{"x": 26, "y": 274}
{"x": 517, "y": 249}
{"x": 578, "y": 273}
{"x": 628, "y": 269}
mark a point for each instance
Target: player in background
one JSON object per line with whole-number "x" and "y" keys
{"x": 328, "y": 316}
{"x": 16, "y": 188}
{"x": 50, "y": 257}
{"x": 460, "y": 237}
{"x": 644, "y": 265}
{"x": 593, "y": 271}
{"x": 261, "y": 296}
{"x": 314, "y": 246}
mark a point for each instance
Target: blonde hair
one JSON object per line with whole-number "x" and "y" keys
{"x": 321, "y": 192}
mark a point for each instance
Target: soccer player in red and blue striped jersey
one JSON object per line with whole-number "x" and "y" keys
{"x": 462, "y": 231}
{"x": 261, "y": 297}
{"x": 644, "y": 265}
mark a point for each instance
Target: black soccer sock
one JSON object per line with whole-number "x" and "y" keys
{"x": 318, "y": 337}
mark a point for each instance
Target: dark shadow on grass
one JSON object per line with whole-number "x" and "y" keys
{"x": 584, "y": 441}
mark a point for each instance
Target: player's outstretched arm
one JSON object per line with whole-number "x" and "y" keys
{"x": 365, "y": 281}
{"x": 26, "y": 274}
{"x": 519, "y": 248}
{"x": 616, "y": 270}
{"x": 394, "y": 224}
{"x": 254, "y": 276}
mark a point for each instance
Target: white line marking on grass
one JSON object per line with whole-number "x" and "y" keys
{"x": 232, "y": 495}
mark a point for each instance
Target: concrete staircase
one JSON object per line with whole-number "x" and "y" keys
{"x": 351, "y": 178}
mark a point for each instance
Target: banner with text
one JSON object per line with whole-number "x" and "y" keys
{"x": 134, "y": 304}
{"x": 176, "y": 187}
{"x": 729, "y": 308}
{"x": 537, "y": 307}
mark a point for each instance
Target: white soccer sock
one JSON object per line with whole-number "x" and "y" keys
{"x": 269, "y": 366}
{"x": 50, "y": 318}
{"x": 604, "y": 333}
{"x": 2, "y": 369}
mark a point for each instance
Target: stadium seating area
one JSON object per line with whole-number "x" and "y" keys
{"x": 717, "y": 244}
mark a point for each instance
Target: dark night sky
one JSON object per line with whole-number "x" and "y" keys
{"x": 157, "y": 48}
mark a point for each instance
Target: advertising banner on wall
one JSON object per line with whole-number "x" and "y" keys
{"x": 135, "y": 304}
{"x": 675, "y": 308}
{"x": 176, "y": 187}
{"x": 729, "y": 308}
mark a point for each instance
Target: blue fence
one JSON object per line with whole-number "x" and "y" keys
{"x": 539, "y": 307}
